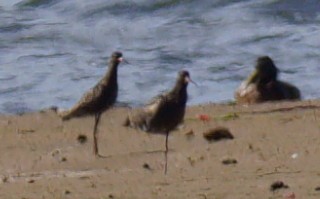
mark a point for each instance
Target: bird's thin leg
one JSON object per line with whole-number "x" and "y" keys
{"x": 166, "y": 154}
{"x": 95, "y": 131}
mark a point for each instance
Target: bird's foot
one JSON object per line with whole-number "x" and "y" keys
{"x": 101, "y": 156}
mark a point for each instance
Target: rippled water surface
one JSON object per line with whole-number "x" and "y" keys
{"x": 52, "y": 51}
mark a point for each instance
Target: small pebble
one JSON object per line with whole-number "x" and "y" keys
{"x": 63, "y": 159}
{"x": 294, "y": 156}
{"x": 192, "y": 161}
{"x": 4, "y": 179}
{"x": 250, "y": 147}
{"x": 31, "y": 181}
{"x": 82, "y": 139}
{"x": 67, "y": 192}
{"x": 146, "y": 166}
{"x": 189, "y": 134}
{"x": 317, "y": 188}
{"x": 55, "y": 152}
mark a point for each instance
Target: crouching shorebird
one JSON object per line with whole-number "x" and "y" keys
{"x": 262, "y": 85}
{"x": 164, "y": 112}
{"x": 100, "y": 98}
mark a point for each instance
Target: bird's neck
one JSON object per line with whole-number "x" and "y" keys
{"x": 111, "y": 74}
{"x": 264, "y": 82}
{"x": 180, "y": 92}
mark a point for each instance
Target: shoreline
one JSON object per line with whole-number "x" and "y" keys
{"x": 42, "y": 157}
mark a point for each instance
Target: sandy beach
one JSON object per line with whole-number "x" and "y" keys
{"x": 43, "y": 157}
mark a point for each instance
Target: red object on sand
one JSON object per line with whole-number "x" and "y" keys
{"x": 290, "y": 196}
{"x": 204, "y": 117}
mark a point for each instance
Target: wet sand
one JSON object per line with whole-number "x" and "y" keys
{"x": 41, "y": 156}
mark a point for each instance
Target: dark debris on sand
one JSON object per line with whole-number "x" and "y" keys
{"x": 229, "y": 161}
{"x": 82, "y": 139}
{"x": 217, "y": 134}
{"x": 278, "y": 185}
{"x": 146, "y": 166}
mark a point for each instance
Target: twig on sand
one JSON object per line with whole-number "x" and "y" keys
{"x": 279, "y": 172}
{"x": 282, "y": 109}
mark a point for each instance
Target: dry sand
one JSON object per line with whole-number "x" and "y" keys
{"x": 40, "y": 156}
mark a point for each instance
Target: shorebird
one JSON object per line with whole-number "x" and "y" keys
{"x": 262, "y": 85}
{"x": 97, "y": 100}
{"x": 164, "y": 112}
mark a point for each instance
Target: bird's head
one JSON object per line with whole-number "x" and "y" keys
{"x": 117, "y": 57}
{"x": 184, "y": 77}
{"x": 265, "y": 71}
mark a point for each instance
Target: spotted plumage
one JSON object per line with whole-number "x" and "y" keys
{"x": 165, "y": 112}
{"x": 101, "y": 97}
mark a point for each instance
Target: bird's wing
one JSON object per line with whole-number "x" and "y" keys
{"x": 141, "y": 119}
{"x": 288, "y": 91}
{"x": 155, "y": 103}
{"x": 90, "y": 96}
{"x": 86, "y": 102}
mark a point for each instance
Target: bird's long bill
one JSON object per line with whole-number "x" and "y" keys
{"x": 253, "y": 77}
{"x": 121, "y": 59}
{"x": 188, "y": 79}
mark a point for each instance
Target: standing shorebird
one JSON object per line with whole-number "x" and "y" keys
{"x": 100, "y": 98}
{"x": 262, "y": 85}
{"x": 165, "y": 112}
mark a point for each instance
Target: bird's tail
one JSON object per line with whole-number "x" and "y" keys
{"x": 126, "y": 122}
{"x": 64, "y": 115}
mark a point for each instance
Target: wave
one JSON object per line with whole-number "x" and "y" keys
{"x": 36, "y": 3}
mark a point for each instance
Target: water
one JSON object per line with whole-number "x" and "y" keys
{"x": 52, "y": 51}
